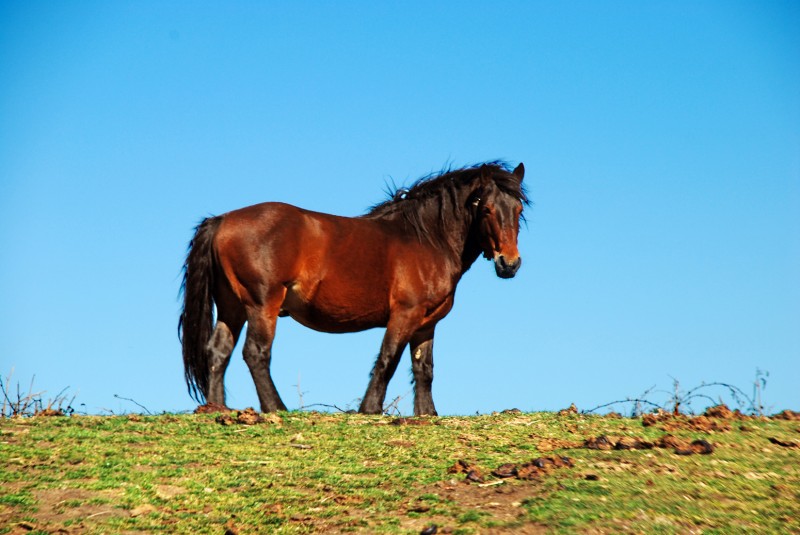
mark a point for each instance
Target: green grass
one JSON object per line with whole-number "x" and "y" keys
{"x": 310, "y": 472}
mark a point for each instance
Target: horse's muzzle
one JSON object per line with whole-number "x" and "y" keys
{"x": 504, "y": 269}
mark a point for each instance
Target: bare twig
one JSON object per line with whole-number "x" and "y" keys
{"x": 300, "y": 392}
{"x": 637, "y": 401}
{"x": 26, "y": 403}
{"x": 680, "y": 402}
{"x": 134, "y": 402}
{"x": 394, "y": 404}
{"x": 327, "y": 407}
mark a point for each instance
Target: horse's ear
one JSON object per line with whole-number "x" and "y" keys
{"x": 486, "y": 175}
{"x": 519, "y": 172}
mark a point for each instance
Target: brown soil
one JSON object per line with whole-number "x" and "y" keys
{"x": 714, "y": 420}
{"x": 787, "y": 415}
{"x": 57, "y": 506}
{"x": 549, "y": 444}
{"x": 410, "y": 421}
{"x": 249, "y": 416}
{"x": 784, "y": 443}
{"x": 211, "y": 408}
{"x": 501, "y": 499}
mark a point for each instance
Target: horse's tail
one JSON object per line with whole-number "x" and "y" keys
{"x": 197, "y": 317}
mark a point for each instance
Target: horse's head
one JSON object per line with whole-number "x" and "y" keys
{"x": 497, "y": 215}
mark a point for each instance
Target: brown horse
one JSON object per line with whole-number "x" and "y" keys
{"x": 396, "y": 266}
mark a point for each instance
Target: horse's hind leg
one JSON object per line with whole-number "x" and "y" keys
{"x": 219, "y": 350}
{"x": 258, "y": 355}
{"x": 230, "y": 319}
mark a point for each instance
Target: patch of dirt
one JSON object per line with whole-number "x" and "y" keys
{"x": 680, "y": 446}
{"x": 472, "y": 472}
{"x": 526, "y": 471}
{"x": 572, "y": 409}
{"x": 57, "y": 506}
{"x": 720, "y": 411}
{"x": 50, "y": 412}
{"x": 249, "y": 416}
{"x": 654, "y": 418}
{"x": 211, "y": 408}
{"x": 605, "y": 443}
{"x": 549, "y": 444}
{"x": 699, "y": 446}
{"x": 400, "y": 443}
{"x": 787, "y": 415}
{"x": 166, "y": 492}
{"x": 533, "y": 469}
{"x": 410, "y": 421}
{"x": 599, "y": 443}
{"x": 698, "y": 423}
{"x": 714, "y": 420}
{"x": 784, "y": 443}
{"x": 503, "y": 502}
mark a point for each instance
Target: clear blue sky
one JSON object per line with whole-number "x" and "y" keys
{"x": 661, "y": 142}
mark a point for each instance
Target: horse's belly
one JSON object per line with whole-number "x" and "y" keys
{"x": 324, "y": 309}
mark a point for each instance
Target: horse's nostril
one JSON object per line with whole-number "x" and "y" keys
{"x": 504, "y": 269}
{"x": 505, "y": 265}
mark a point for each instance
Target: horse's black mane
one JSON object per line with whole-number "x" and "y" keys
{"x": 433, "y": 199}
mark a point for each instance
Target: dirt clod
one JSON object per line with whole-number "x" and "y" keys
{"x": 246, "y": 417}
{"x": 549, "y": 444}
{"x": 410, "y": 421}
{"x": 460, "y": 467}
{"x": 532, "y": 469}
{"x": 703, "y": 447}
{"x": 225, "y": 419}
{"x": 784, "y": 443}
{"x": 669, "y": 441}
{"x": 505, "y": 471}
{"x": 787, "y": 415}
{"x": 474, "y": 476}
{"x": 654, "y": 418}
{"x": 628, "y": 443}
{"x": 719, "y": 411}
{"x": 50, "y": 412}
{"x": 211, "y": 408}
{"x": 572, "y": 409}
{"x": 598, "y": 443}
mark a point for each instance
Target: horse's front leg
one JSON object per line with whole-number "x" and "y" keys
{"x": 398, "y": 332}
{"x": 422, "y": 366}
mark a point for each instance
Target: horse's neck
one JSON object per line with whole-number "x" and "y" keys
{"x": 454, "y": 237}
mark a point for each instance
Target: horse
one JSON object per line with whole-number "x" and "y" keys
{"x": 397, "y": 266}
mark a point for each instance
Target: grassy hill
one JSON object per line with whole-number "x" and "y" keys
{"x": 241, "y": 473}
